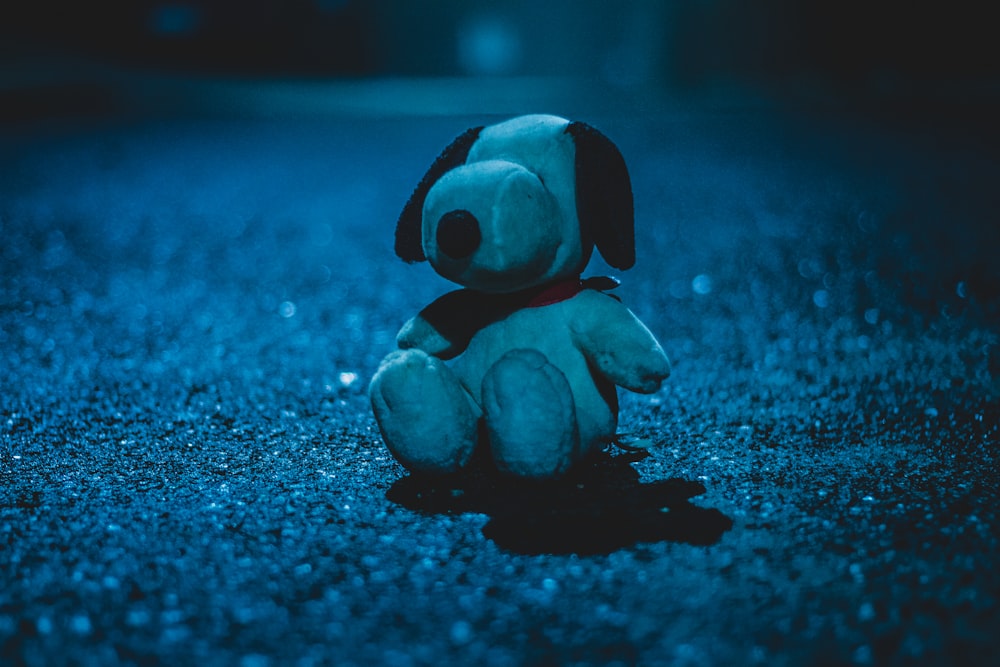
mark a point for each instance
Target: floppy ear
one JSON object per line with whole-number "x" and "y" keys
{"x": 408, "y": 228}
{"x": 603, "y": 196}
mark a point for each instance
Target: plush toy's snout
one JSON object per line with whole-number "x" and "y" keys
{"x": 494, "y": 226}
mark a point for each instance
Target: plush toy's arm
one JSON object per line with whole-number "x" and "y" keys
{"x": 420, "y": 334}
{"x": 444, "y": 328}
{"x": 617, "y": 344}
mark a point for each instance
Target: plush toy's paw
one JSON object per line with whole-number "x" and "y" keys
{"x": 530, "y": 415}
{"x": 426, "y": 418}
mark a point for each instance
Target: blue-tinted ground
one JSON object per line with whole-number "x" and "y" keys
{"x": 190, "y": 312}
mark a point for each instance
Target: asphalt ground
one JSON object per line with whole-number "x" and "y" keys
{"x": 190, "y": 311}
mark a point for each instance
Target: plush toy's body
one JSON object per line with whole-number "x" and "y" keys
{"x": 512, "y": 212}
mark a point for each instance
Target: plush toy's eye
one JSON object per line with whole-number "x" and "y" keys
{"x": 458, "y": 234}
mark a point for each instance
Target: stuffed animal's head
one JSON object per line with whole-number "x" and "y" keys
{"x": 519, "y": 204}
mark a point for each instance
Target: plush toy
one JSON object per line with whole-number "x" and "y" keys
{"x": 525, "y": 359}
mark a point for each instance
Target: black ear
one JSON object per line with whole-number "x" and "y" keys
{"x": 408, "y": 227}
{"x": 603, "y": 196}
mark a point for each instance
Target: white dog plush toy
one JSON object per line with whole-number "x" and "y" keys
{"x": 512, "y": 213}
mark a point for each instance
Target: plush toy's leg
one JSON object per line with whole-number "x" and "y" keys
{"x": 427, "y": 419}
{"x": 530, "y": 415}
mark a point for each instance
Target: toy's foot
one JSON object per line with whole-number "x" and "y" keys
{"x": 426, "y": 418}
{"x": 530, "y": 416}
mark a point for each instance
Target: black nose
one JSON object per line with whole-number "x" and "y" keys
{"x": 458, "y": 234}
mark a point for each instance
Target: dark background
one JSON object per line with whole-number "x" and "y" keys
{"x": 857, "y": 53}
{"x": 197, "y": 281}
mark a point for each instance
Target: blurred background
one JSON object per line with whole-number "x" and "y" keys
{"x": 60, "y": 58}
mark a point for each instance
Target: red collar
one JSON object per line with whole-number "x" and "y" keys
{"x": 556, "y": 292}
{"x": 563, "y": 290}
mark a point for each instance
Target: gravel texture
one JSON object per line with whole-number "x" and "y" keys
{"x": 190, "y": 473}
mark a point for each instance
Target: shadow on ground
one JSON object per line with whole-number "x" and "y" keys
{"x": 600, "y": 508}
